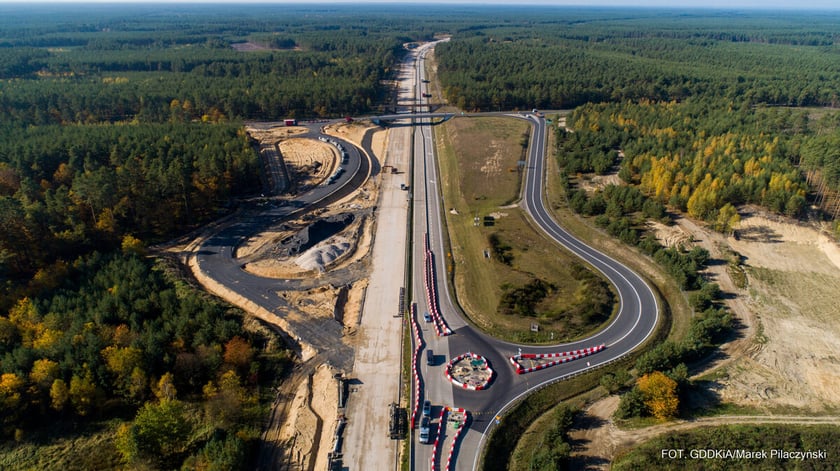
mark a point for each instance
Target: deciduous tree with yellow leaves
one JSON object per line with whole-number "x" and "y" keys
{"x": 660, "y": 394}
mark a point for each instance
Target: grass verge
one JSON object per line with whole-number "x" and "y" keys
{"x": 516, "y": 278}
{"x": 674, "y": 323}
{"x": 754, "y": 438}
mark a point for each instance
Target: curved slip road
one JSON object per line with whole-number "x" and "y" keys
{"x": 635, "y": 322}
{"x": 216, "y": 259}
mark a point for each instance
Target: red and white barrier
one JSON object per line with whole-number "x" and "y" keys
{"x": 418, "y": 345}
{"x": 440, "y": 435}
{"x": 455, "y": 438}
{"x": 563, "y": 357}
{"x": 441, "y": 329}
{"x": 470, "y": 387}
{"x": 441, "y": 428}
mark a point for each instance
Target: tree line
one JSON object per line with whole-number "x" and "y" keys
{"x": 115, "y": 334}
{"x": 564, "y": 62}
{"x": 698, "y": 156}
{"x": 65, "y": 190}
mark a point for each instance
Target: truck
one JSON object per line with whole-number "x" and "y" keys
{"x": 290, "y": 122}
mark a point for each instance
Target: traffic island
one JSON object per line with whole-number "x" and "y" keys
{"x": 528, "y": 362}
{"x": 469, "y": 371}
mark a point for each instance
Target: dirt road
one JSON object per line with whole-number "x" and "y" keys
{"x": 785, "y": 355}
{"x": 597, "y": 440}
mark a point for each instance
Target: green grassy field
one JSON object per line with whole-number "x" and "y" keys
{"x": 58, "y": 450}
{"x": 676, "y": 314}
{"x": 481, "y": 184}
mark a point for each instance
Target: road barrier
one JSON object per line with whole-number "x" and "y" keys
{"x": 418, "y": 345}
{"x": 461, "y": 427}
{"x": 441, "y": 329}
{"x": 470, "y": 387}
{"x": 438, "y": 436}
{"x": 564, "y": 357}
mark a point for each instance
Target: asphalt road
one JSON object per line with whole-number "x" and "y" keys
{"x": 633, "y": 324}
{"x": 216, "y": 257}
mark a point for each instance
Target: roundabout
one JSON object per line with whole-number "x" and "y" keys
{"x": 469, "y": 371}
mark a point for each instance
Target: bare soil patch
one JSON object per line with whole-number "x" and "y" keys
{"x": 316, "y": 302}
{"x": 353, "y": 307}
{"x": 274, "y": 134}
{"x": 250, "y": 47}
{"x": 785, "y": 353}
{"x": 590, "y": 183}
{"x": 309, "y": 161}
{"x": 597, "y": 440}
{"x": 670, "y": 236}
{"x": 785, "y": 356}
{"x": 311, "y": 420}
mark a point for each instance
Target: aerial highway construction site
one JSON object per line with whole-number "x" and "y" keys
{"x": 345, "y": 254}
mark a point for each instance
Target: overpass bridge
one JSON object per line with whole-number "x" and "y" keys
{"x": 385, "y": 118}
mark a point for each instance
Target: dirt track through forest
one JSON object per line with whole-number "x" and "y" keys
{"x": 597, "y": 440}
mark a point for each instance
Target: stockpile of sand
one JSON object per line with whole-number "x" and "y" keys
{"x": 321, "y": 256}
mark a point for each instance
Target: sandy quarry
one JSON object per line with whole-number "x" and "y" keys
{"x": 785, "y": 361}
{"x": 787, "y": 356}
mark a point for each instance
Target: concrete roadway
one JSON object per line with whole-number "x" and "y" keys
{"x": 426, "y": 219}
